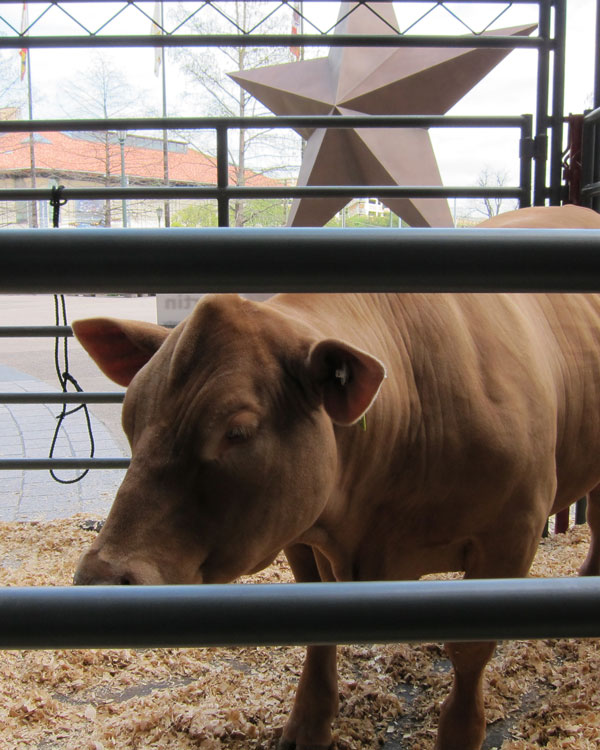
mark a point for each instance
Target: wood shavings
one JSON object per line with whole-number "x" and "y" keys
{"x": 538, "y": 694}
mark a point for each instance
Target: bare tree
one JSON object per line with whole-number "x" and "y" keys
{"x": 11, "y": 94}
{"x": 102, "y": 91}
{"x": 257, "y": 150}
{"x": 491, "y": 178}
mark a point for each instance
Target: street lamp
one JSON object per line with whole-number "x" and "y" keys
{"x": 122, "y": 135}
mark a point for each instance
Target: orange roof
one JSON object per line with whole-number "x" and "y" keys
{"x": 85, "y": 155}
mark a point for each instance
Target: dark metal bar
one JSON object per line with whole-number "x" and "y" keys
{"x": 591, "y": 147}
{"x": 45, "y": 464}
{"x": 581, "y": 511}
{"x": 558, "y": 95}
{"x": 227, "y": 193}
{"x": 284, "y": 121}
{"x": 591, "y": 190}
{"x": 271, "y": 40}
{"x": 295, "y": 259}
{"x": 594, "y": 114}
{"x": 526, "y": 161}
{"x": 62, "y": 398}
{"x": 541, "y": 113}
{"x": 222, "y": 176}
{"x": 295, "y": 614}
{"x": 35, "y": 331}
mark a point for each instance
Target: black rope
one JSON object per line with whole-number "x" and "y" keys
{"x": 56, "y": 201}
{"x": 64, "y": 378}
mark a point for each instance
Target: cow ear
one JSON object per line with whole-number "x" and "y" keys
{"x": 349, "y": 378}
{"x": 120, "y": 348}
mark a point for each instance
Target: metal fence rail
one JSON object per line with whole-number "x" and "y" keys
{"x": 274, "y": 40}
{"x": 300, "y": 260}
{"x": 224, "y": 193}
{"x": 87, "y": 397}
{"x": 295, "y": 614}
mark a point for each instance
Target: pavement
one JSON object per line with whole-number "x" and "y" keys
{"x": 27, "y": 430}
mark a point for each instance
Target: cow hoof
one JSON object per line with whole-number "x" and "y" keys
{"x": 291, "y": 745}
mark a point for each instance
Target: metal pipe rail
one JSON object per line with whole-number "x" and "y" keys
{"x": 275, "y": 40}
{"x": 35, "y": 331}
{"x": 62, "y": 398}
{"x": 593, "y": 116}
{"x": 283, "y": 121}
{"x": 231, "y": 192}
{"x": 298, "y": 614}
{"x": 591, "y": 190}
{"x": 301, "y": 260}
{"x": 45, "y": 464}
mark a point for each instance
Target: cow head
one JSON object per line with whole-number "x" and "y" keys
{"x": 230, "y": 418}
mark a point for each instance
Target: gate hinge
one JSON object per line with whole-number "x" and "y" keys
{"x": 534, "y": 148}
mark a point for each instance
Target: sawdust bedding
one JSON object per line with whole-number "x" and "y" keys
{"x": 539, "y": 694}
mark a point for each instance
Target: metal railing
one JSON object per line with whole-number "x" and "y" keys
{"x": 223, "y": 192}
{"x": 298, "y": 614}
{"x": 549, "y": 44}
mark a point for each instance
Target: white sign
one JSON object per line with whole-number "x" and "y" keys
{"x": 171, "y": 309}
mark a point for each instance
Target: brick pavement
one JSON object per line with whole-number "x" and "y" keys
{"x": 26, "y": 431}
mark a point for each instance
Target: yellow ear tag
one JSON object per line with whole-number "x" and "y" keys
{"x": 363, "y": 422}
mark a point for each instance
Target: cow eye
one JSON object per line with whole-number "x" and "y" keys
{"x": 238, "y": 434}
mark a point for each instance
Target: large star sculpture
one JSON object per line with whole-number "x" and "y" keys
{"x": 376, "y": 81}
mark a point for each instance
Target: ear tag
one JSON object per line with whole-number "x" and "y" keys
{"x": 342, "y": 374}
{"x": 363, "y": 422}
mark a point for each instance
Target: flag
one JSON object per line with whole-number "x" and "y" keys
{"x": 23, "y": 50}
{"x": 156, "y": 28}
{"x": 295, "y": 30}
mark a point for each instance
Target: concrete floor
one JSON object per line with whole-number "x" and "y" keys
{"x": 27, "y": 365}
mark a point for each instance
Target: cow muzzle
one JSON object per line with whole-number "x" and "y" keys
{"x": 94, "y": 570}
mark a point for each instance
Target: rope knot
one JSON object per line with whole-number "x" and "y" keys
{"x": 56, "y": 201}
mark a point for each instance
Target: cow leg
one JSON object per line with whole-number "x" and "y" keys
{"x": 462, "y": 719}
{"x": 591, "y": 566}
{"x": 316, "y": 702}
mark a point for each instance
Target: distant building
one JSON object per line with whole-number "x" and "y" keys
{"x": 368, "y": 207}
{"x": 84, "y": 159}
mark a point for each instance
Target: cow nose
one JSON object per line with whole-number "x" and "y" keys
{"x": 82, "y": 578}
{"x": 94, "y": 571}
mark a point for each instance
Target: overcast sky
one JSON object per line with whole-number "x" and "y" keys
{"x": 508, "y": 89}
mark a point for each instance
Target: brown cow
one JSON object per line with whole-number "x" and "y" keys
{"x": 555, "y": 217}
{"x": 246, "y": 438}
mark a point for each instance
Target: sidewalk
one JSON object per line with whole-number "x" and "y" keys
{"x": 26, "y": 430}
